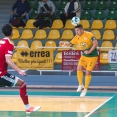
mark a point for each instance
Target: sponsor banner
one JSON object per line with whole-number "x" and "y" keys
{"x": 112, "y": 54}
{"x": 34, "y": 59}
{"x": 112, "y": 66}
{"x": 70, "y": 60}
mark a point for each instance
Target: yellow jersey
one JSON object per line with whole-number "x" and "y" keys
{"x": 85, "y": 42}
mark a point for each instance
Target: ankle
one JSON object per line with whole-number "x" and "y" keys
{"x": 85, "y": 89}
{"x": 27, "y": 106}
{"x": 80, "y": 84}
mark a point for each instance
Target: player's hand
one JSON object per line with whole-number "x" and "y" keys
{"x": 23, "y": 73}
{"x": 61, "y": 43}
{"x": 23, "y": 15}
{"x": 12, "y": 12}
{"x": 66, "y": 14}
{"x": 73, "y": 12}
{"x": 87, "y": 52}
{"x": 51, "y": 13}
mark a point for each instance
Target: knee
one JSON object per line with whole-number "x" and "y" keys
{"x": 88, "y": 72}
{"x": 23, "y": 84}
{"x": 79, "y": 68}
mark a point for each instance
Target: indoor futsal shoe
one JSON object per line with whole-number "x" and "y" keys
{"x": 83, "y": 93}
{"x": 32, "y": 109}
{"x": 80, "y": 87}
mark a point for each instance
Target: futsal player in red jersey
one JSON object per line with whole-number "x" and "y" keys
{"x": 6, "y": 79}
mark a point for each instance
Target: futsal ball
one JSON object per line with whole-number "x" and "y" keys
{"x": 75, "y": 21}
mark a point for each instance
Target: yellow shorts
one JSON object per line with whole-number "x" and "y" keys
{"x": 87, "y": 62}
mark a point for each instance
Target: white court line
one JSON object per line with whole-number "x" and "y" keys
{"x": 98, "y": 107}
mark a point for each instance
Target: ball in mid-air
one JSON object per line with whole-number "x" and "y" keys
{"x": 75, "y": 21}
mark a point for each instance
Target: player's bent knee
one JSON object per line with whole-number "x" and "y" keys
{"x": 20, "y": 82}
{"x": 23, "y": 84}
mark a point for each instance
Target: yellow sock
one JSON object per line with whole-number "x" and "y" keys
{"x": 80, "y": 77}
{"x": 87, "y": 81}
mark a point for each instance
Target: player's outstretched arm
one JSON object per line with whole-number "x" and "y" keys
{"x": 12, "y": 65}
{"x": 64, "y": 43}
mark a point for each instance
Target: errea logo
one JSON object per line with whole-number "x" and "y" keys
{"x": 10, "y": 52}
{"x": 2, "y": 42}
{"x": 85, "y": 38}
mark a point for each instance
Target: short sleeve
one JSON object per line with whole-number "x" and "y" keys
{"x": 92, "y": 37}
{"x": 74, "y": 40}
{"x": 9, "y": 50}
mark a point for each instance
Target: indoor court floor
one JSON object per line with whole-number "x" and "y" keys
{"x": 59, "y": 104}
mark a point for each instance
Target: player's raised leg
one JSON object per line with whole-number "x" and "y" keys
{"x": 24, "y": 97}
{"x": 90, "y": 66}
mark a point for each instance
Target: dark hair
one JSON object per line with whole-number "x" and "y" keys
{"x": 7, "y": 30}
{"x": 79, "y": 26}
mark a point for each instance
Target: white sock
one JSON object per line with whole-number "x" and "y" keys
{"x": 27, "y": 106}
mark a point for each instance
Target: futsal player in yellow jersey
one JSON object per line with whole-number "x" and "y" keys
{"x": 88, "y": 59}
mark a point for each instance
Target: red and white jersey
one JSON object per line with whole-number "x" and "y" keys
{"x": 6, "y": 49}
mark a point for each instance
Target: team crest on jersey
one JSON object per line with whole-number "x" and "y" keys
{"x": 83, "y": 45}
{"x": 2, "y": 42}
